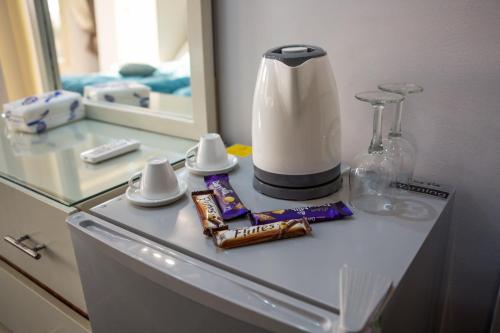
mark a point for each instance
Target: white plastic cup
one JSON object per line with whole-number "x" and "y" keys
{"x": 158, "y": 179}
{"x": 210, "y": 152}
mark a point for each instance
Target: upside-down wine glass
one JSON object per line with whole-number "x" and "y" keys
{"x": 401, "y": 150}
{"x": 374, "y": 170}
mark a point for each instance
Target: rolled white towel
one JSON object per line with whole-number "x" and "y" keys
{"x": 121, "y": 92}
{"x": 35, "y": 114}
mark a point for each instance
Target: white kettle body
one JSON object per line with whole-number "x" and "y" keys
{"x": 296, "y": 124}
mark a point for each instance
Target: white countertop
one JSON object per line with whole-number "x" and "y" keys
{"x": 306, "y": 267}
{"x": 49, "y": 163}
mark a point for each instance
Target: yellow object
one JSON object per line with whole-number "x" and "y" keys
{"x": 239, "y": 150}
{"x": 18, "y": 62}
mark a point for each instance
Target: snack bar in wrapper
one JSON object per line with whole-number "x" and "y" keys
{"x": 328, "y": 212}
{"x": 229, "y": 203}
{"x": 261, "y": 233}
{"x": 210, "y": 216}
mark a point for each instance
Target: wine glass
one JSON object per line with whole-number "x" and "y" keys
{"x": 401, "y": 150}
{"x": 374, "y": 170}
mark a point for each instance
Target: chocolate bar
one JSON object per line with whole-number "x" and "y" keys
{"x": 210, "y": 216}
{"x": 261, "y": 233}
{"x": 328, "y": 212}
{"x": 229, "y": 202}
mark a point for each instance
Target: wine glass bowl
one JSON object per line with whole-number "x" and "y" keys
{"x": 369, "y": 182}
{"x": 402, "y": 152}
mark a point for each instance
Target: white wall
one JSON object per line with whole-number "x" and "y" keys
{"x": 172, "y": 27}
{"x": 147, "y": 31}
{"x": 127, "y": 31}
{"x": 452, "y": 48}
{"x": 72, "y": 19}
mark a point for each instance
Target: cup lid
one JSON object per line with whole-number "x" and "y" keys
{"x": 295, "y": 54}
{"x": 157, "y": 160}
{"x": 210, "y": 136}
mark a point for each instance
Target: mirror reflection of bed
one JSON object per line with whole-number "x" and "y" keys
{"x": 125, "y": 51}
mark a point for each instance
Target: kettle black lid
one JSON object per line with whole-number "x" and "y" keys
{"x": 295, "y": 54}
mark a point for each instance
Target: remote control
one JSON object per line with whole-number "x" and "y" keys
{"x": 110, "y": 150}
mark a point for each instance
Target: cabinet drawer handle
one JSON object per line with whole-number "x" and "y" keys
{"x": 31, "y": 251}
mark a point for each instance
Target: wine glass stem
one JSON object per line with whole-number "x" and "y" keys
{"x": 376, "y": 143}
{"x": 396, "y": 121}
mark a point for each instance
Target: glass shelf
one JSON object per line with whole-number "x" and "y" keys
{"x": 50, "y": 164}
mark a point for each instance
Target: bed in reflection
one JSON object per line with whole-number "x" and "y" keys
{"x": 169, "y": 78}
{"x": 105, "y": 41}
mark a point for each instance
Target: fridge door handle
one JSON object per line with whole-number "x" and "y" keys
{"x": 206, "y": 284}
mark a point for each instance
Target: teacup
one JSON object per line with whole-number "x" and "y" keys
{"x": 210, "y": 152}
{"x": 158, "y": 179}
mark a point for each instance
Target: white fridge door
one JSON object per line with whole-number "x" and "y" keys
{"x": 134, "y": 285}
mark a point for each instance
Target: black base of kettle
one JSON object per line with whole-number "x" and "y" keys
{"x": 300, "y": 187}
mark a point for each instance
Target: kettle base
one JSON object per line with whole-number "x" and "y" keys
{"x": 304, "y": 193}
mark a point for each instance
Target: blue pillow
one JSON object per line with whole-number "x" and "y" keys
{"x": 164, "y": 83}
{"x": 137, "y": 70}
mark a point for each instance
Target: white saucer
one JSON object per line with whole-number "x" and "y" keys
{"x": 135, "y": 197}
{"x": 232, "y": 161}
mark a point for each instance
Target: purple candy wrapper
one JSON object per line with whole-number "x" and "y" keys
{"x": 229, "y": 203}
{"x": 328, "y": 212}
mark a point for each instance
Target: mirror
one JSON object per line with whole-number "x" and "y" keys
{"x": 127, "y": 52}
{"x": 145, "y": 64}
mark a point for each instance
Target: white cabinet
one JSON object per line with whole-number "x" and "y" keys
{"x": 55, "y": 183}
{"x": 27, "y": 213}
{"x": 27, "y": 308}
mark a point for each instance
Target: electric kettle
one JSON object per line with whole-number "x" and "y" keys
{"x": 296, "y": 125}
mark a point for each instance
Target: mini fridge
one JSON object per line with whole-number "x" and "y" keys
{"x": 134, "y": 285}
{"x": 153, "y": 270}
